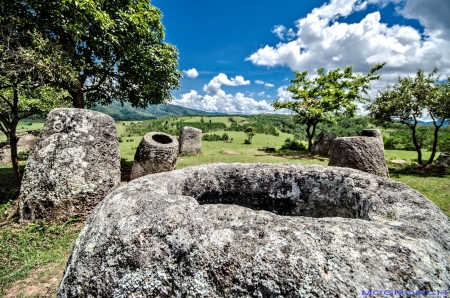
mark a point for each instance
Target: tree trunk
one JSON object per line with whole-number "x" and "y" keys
{"x": 13, "y": 139}
{"x": 310, "y": 136}
{"x": 435, "y": 141}
{"x": 416, "y": 144}
{"x": 78, "y": 94}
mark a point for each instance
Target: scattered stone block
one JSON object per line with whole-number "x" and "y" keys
{"x": 361, "y": 153}
{"x": 26, "y": 142}
{"x": 259, "y": 230}
{"x": 230, "y": 152}
{"x": 74, "y": 165}
{"x": 157, "y": 152}
{"x": 399, "y": 162}
{"x": 190, "y": 140}
{"x": 323, "y": 142}
{"x": 443, "y": 159}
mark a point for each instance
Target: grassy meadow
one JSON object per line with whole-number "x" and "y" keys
{"x": 33, "y": 256}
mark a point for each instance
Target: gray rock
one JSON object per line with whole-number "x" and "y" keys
{"x": 373, "y": 133}
{"x": 190, "y": 140}
{"x": 157, "y": 152}
{"x": 74, "y": 165}
{"x": 26, "y": 142}
{"x": 323, "y": 142}
{"x": 259, "y": 230}
{"x": 362, "y": 153}
{"x": 443, "y": 159}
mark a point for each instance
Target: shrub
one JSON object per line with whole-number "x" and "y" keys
{"x": 214, "y": 137}
{"x": 247, "y": 142}
{"x": 23, "y": 155}
{"x": 293, "y": 145}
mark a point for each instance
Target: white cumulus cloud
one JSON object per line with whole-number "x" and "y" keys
{"x": 214, "y": 85}
{"x": 323, "y": 40}
{"x": 259, "y": 82}
{"x": 216, "y": 100}
{"x": 224, "y": 103}
{"x": 269, "y": 85}
{"x": 191, "y": 73}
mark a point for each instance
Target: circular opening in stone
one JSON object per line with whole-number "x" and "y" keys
{"x": 162, "y": 139}
{"x": 287, "y": 195}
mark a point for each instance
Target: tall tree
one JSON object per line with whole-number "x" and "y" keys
{"x": 27, "y": 65}
{"x": 331, "y": 93}
{"x": 412, "y": 98}
{"x": 116, "y": 47}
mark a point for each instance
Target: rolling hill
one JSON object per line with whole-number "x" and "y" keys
{"x": 126, "y": 112}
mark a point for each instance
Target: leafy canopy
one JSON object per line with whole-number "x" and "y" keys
{"x": 329, "y": 94}
{"x": 28, "y": 65}
{"x": 115, "y": 46}
{"x": 412, "y": 98}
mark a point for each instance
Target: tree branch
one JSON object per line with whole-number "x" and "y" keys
{"x": 6, "y": 100}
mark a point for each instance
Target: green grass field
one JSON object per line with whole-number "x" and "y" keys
{"x": 33, "y": 256}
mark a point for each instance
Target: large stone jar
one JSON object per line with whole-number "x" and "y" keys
{"x": 157, "y": 152}
{"x": 73, "y": 166}
{"x": 361, "y": 153}
{"x": 190, "y": 140}
{"x": 373, "y": 133}
{"x": 259, "y": 230}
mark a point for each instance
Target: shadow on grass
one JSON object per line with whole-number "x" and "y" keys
{"x": 298, "y": 155}
{"x": 9, "y": 188}
{"x": 432, "y": 170}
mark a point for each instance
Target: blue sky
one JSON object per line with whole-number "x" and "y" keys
{"x": 238, "y": 56}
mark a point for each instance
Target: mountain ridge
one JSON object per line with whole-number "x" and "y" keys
{"x": 127, "y": 112}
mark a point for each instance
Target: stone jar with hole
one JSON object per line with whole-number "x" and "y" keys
{"x": 259, "y": 230}
{"x": 190, "y": 140}
{"x": 157, "y": 152}
{"x": 374, "y": 133}
{"x": 74, "y": 165}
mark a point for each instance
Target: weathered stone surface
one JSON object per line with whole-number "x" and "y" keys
{"x": 400, "y": 162}
{"x": 230, "y": 152}
{"x": 323, "y": 142}
{"x": 373, "y": 133}
{"x": 443, "y": 159}
{"x": 300, "y": 231}
{"x": 190, "y": 140}
{"x": 157, "y": 152}
{"x": 74, "y": 165}
{"x": 26, "y": 142}
{"x": 362, "y": 153}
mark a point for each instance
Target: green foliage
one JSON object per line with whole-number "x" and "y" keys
{"x": 28, "y": 64}
{"x": 263, "y": 124}
{"x": 214, "y": 137}
{"x": 250, "y": 131}
{"x": 23, "y": 155}
{"x": 331, "y": 93}
{"x": 116, "y": 48}
{"x": 444, "y": 140}
{"x": 293, "y": 145}
{"x": 410, "y": 99}
{"x": 141, "y": 128}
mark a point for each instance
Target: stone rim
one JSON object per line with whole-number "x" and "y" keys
{"x": 149, "y": 138}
